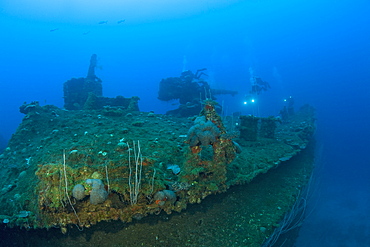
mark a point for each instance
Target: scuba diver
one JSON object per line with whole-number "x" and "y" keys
{"x": 290, "y": 103}
{"x": 258, "y": 85}
{"x": 288, "y": 109}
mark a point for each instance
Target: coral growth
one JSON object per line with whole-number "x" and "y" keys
{"x": 204, "y": 132}
{"x": 163, "y": 196}
{"x": 210, "y": 151}
{"x": 98, "y": 193}
{"x": 78, "y": 192}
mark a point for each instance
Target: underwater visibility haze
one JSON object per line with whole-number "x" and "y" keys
{"x": 83, "y": 81}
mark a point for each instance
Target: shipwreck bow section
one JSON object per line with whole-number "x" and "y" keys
{"x": 80, "y": 167}
{"x": 101, "y": 159}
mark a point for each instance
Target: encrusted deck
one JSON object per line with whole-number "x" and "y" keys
{"x": 54, "y": 150}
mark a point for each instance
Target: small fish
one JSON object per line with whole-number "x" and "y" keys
{"x": 120, "y": 21}
{"x": 53, "y": 30}
{"x": 85, "y": 33}
{"x": 103, "y": 22}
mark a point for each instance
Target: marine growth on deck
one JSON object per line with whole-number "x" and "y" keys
{"x": 65, "y": 168}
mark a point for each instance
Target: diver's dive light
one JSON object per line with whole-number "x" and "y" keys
{"x": 249, "y": 99}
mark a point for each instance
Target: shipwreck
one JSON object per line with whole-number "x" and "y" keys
{"x": 101, "y": 159}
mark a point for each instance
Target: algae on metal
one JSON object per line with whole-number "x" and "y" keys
{"x": 96, "y": 145}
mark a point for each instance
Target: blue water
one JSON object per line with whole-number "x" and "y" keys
{"x": 316, "y": 51}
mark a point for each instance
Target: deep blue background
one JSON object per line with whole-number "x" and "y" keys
{"x": 316, "y": 51}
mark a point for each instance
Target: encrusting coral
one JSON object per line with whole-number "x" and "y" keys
{"x": 98, "y": 193}
{"x": 78, "y": 192}
{"x": 204, "y": 132}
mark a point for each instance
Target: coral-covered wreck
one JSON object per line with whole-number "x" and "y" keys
{"x": 66, "y": 168}
{"x": 54, "y": 150}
